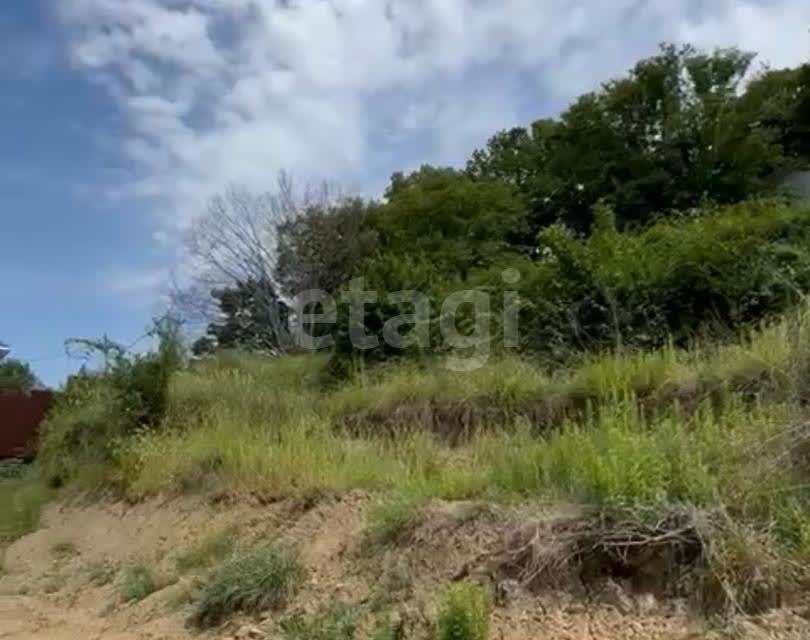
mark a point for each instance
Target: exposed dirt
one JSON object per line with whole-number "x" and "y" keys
{"x": 63, "y": 582}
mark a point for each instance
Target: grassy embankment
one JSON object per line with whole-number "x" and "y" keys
{"x": 717, "y": 432}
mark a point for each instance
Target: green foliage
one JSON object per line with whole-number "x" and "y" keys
{"x": 720, "y": 270}
{"x": 336, "y": 622}
{"x": 393, "y": 518}
{"x": 253, "y": 317}
{"x": 137, "y": 584}
{"x": 323, "y": 247}
{"x": 778, "y": 101}
{"x": 252, "y": 581}
{"x": 463, "y": 613}
{"x": 456, "y": 223}
{"x": 97, "y": 409}
{"x": 16, "y": 376}
{"x": 670, "y": 135}
{"x": 21, "y": 501}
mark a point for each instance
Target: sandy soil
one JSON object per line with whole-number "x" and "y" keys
{"x": 63, "y": 582}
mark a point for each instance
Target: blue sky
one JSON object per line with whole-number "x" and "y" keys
{"x": 120, "y": 118}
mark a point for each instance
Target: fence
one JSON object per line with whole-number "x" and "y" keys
{"x": 20, "y": 416}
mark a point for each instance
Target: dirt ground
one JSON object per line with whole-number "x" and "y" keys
{"x": 63, "y": 582}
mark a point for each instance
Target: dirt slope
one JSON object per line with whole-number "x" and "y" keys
{"x": 64, "y": 581}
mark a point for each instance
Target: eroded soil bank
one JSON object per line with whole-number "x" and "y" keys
{"x": 67, "y": 581}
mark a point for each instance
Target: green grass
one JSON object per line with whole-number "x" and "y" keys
{"x": 249, "y": 582}
{"x": 21, "y": 501}
{"x": 715, "y": 426}
{"x": 393, "y": 517}
{"x": 138, "y": 582}
{"x": 463, "y": 614}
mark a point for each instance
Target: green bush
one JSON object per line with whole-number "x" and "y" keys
{"x": 714, "y": 273}
{"x": 96, "y": 410}
{"x": 252, "y": 581}
{"x": 138, "y": 583}
{"x": 16, "y": 376}
{"x": 391, "y": 519}
{"x": 463, "y": 614}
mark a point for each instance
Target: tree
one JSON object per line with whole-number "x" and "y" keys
{"x": 16, "y": 375}
{"x": 778, "y": 101}
{"x": 669, "y": 136}
{"x": 244, "y": 320}
{"x": 322, "y": 246}
{"x": 458, "y": 223}
{"x": 232, "y": 245}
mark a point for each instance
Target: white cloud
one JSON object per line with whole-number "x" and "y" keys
{"x": 216, "y": 91}
{"x": 142, "y": 287}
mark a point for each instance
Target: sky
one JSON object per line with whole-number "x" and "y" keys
{"x": 119, "y": 119}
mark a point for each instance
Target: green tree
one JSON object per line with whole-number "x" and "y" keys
{"x": 17, "y": 376}
{"x": 322, "y": 247}
{"x": 459, "y": 224}
{"x": 670, "y": 135}
{"x": 778, "y": 101}
{"x": 244, "y": 322}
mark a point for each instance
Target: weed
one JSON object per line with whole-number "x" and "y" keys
{"x": 213, "y": 548}
{"x": 138, "y": 583}
{"x": 463, "y": 614}
{"x": 393, "y": 518}
{"x": 259, "y": 579}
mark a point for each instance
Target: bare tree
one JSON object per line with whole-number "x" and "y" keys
{"x": 233, "y": 242}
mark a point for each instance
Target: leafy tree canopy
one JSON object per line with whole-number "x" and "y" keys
{"x": 16, "y": 375}
{"x": 670, "y": 135}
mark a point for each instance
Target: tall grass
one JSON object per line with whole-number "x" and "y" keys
{"x": 714, "y": 425}
{"x": 21, "y": 502}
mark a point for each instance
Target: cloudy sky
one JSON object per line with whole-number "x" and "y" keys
{"x": 119, "y": 118}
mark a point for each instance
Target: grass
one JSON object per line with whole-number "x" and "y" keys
{"x": 212, "y": 548}
{"x": 249, "y": 582}
{"x": 336, "y": 622}
{"x": 718, "y": 427}
{"x": 392, "y": 518}
{"x": 138, "y": 583}
{"x": 21, "y": 501}
{"x": 463, "y": 613}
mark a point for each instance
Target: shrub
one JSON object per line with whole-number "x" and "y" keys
{"x": 263, "y": 578}
{"x": 138, "y": 583}
{"x": 16, "y": 376}
{"x": 714, "y": 272}
{"x": 393, "y": 518}
{"x": 97, "y": 409}
{"x": 463, "y": 613}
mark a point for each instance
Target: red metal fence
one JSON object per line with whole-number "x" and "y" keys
{"x": 20, "y": 416}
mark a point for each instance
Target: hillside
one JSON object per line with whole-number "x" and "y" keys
{"x": 561, "y": 392}
{"x": 654, "y": 494}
